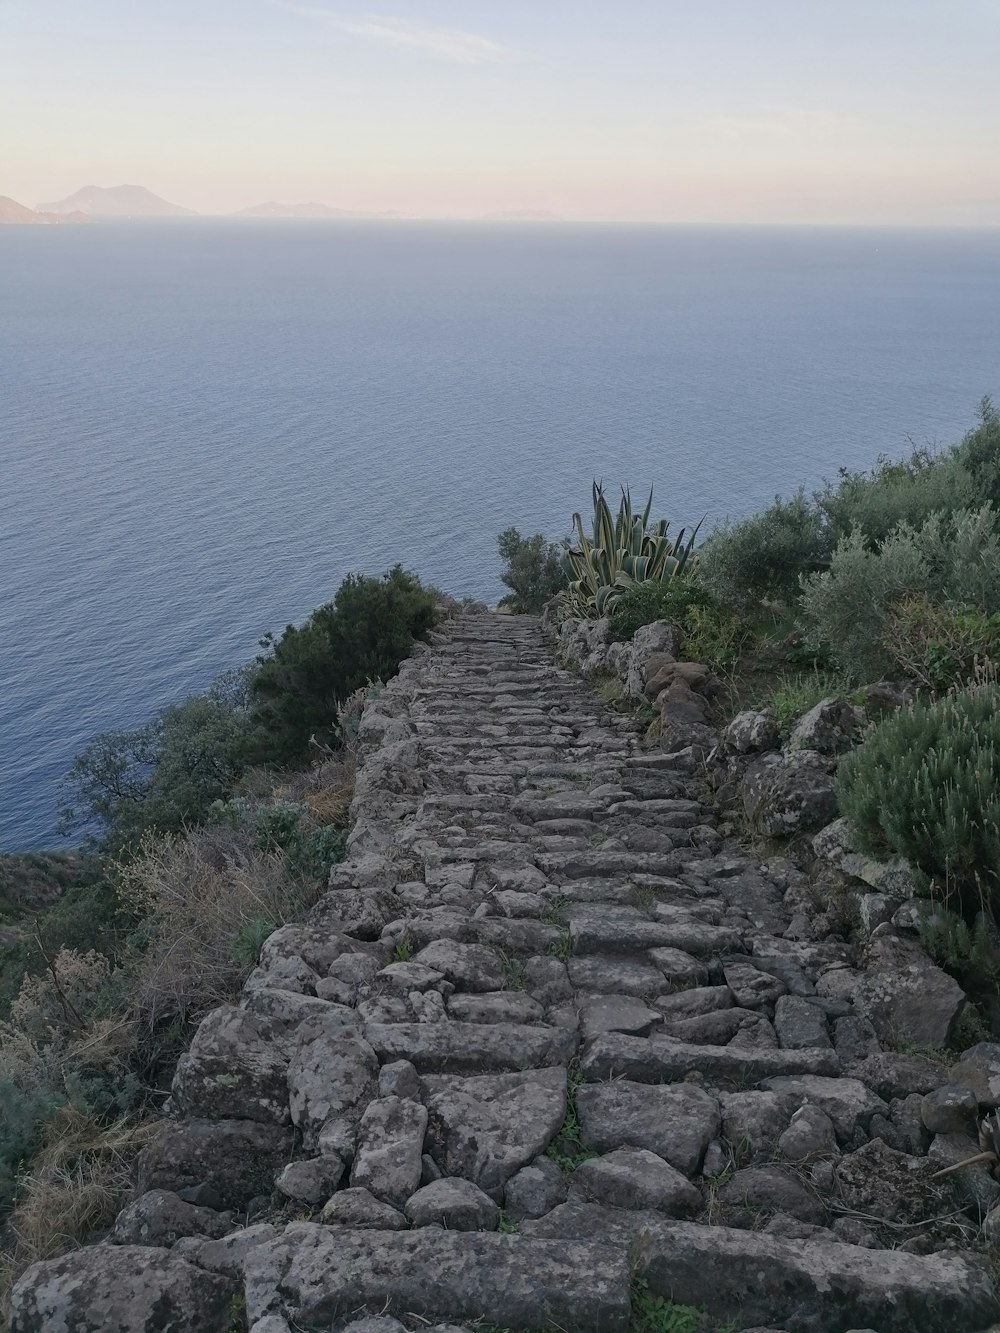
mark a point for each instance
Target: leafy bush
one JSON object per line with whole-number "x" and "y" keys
{"x": 795, "y": 695}
{"x": 925, "y": 784}
{"x": 979, "y": 454}
{"x": 762, "y": 558}
{"x": 644, "y": 603}
{"x": 941, "y": 646}
{"x": 533, "y": 570}
{"x": 954, "y": 559}
{"x": 361, "y": 636}
{"x": 966, "y": 951}
{"x": 622, "y": 552}
{"x": 905, "y": 491}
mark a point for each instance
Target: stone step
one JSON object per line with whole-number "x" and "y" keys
{"x": 667, "y": 1060}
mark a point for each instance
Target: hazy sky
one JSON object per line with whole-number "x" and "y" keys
{"x": 674, "y": 110}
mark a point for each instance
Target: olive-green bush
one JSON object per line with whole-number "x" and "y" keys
{"x": 763, "y": 557}
{"x": 533, "y": 570}
{"x": 925, "y": 784}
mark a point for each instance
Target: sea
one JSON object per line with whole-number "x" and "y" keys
{"x": 204, "y": 425}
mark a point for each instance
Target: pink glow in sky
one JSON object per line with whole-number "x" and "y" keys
{"x": 647, "y": 110}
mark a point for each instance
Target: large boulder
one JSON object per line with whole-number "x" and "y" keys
{"x": 785, "y": 794}
{"x": 893, "y": 878}
{"x": 751, "y": 732}
{"x": 215, "y": 1163}
{"x": 234, "y": 1069}
{"x": 120, "y": 1289}
{"x": 832, "y": 726}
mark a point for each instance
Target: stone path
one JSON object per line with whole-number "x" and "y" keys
{"x": 548, "y": 1047}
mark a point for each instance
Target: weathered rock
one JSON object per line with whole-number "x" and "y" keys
{"x": 486, "y": 1128}
{"x": 784, "y": 794}
{"x": 893, "y": 879}
{"x": 799, "y": 1024}
{"x": 979, "y": 1070}
{"x": 769, "y": 1189}
{"x": 811, "y": 1133}
{"x": 399, "y": 1079}
{"x": 656, "y": 1059}
{"x": 753, "y": 1121}
{"x": 119, "y": 1289}
{"x": 311, "y": 1179}
{"x": 159, "y": 1217}
{"x": 635, "y": 1178}
{"x": 454, "y": 1203}
{"x": 813, "y": 1288}
{"x": 470, "y": 967}
{"x": 233, "y": 1069}
{"x": 752, "y": 988}
{"x": 694, "y": 1002}
{"x": 751, "y": 732}
{"x": 892, "y": 1074}
{"x": 495, "y": 1007}
{"x": 546, "y": 980}
{"x": 534, "y": 1190}
{"x": 331, "y": 1079}
{"x": 677, "y": 1122}
{"x": 847, "y": 1102}
{"x": 390, "y": 1146}
{"x": 358, "y": 1209}
{"x": 615, "y": 976}
{"x": 950, "y": 1110}
{"x": 831, "y": 726}
{"x": 218, "y": 1163}
{"x": 312, "y": 1276}
{"x": 616, "y": 1013}
{"x": 976, "y": 1182}
{"x": 881, "y": 1183}
{"x": 473, "y": 1047}
{"x": 226, "y": 1255}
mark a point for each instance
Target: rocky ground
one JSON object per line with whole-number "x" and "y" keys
{"x": 551, "y": 1054}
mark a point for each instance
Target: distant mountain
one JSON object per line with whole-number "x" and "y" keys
{"x": 13, "y": 212}
{"x": 272, "y": 209}
{"x": 522, "y": 215}
{"x": 117, "y": 201}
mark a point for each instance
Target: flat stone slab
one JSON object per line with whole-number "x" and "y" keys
{"x": 314, "y": 1277}
{"x": 812, "y": 1287}
{"x": 665, "y": 1060}
{"x": 675, "y": 1122}
{"x": 474, "y": 1047}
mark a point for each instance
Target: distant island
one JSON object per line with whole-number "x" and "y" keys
{"x": 272, "y": 209}
{"x": 117, "y": 201}
{"x": 18, "y": 214}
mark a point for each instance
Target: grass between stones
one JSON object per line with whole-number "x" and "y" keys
{"x": 566, "y": 1149}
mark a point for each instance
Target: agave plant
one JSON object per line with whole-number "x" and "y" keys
{"x": 623, "y": 551}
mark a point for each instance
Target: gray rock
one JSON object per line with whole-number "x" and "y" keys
{"x": 310, "y": 1179}
{"x": 950, "y": 1110}
{"x": 752, "y": 988}
{"x": 311, "y": 1275}
{"x": 847, "y": 1102}
{"x": 677, "y": 1122}
{"x": 534, "y": 1190}
{"x": 658, "y": 1059}
{"x": 813, "y": 1288}
{"x": 635, "y": 1178}
{"x": 615, "y": 976}
{"x": 219, "y": 1163}
{"x": 753, "y": 1121}
{"x": 892, "y": 1074}
{"x": 469, "y": 967}
{"x": 830, "y": 727}
{"x": 991, "y": 1226}
{"x": 811, "y": 1133}
{"x": 546, "y": 980}
{"x": 454, "y": 1203}
{"x": 495, "y": 1007}
{"x": 271, "y": 1323}
{"x": 331, "y": 1079}
{"x": 694, "y": 1002}
{"x": 233, "y": 1069}
{"x": 159, "y": 1217}
{"x": 679, "y": 968}
{"x": 228, "y": 1254}
{"x": 751, "y": 732}
{"x": 472, "y": 1047}
{"x": 893, "y": 879}
{"x": 485, "y": 1128}
{"x": 976, "y": 1183}
{"x": 399, "y": 1079}
{"x": 119, "y": 1289}
{"x": 374, "y": 1325}
{"x": 799, "y": 1024}
{"x": 769, "y": 1189}
{"x": 402, "y": 978}
{"x": 359, "y": 1210}
{"x": 616, "y": 1013}
{"x": 979, "y": 1069}
{"x": 390, "y": 1145}
{"x": 784, "y": 794}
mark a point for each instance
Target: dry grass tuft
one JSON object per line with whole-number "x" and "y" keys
{"x": 78, "y": 1183}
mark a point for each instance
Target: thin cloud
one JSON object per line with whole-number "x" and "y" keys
{"x": 454, "y": 44}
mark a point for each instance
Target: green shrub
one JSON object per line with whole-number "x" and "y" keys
{"x": 979, "y": 454}
{"x": 965, "y": 951}
{"x": 762, "y": 558}
{"x": 361, "y": 636}
{"x": 905, "y": 491}
{"x": 925, "y": 784}
{"x": 941, "y": 646}
{"x": 795, "y": 695}
{"x": 644, "y": 603}
{"x": 947, "y": 559}
{"x": 533, "y": 570}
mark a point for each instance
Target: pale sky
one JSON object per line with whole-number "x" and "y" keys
{"x": 859, "y": 111}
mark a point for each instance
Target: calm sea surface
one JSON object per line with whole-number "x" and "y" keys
{"x": 205, "y": 426}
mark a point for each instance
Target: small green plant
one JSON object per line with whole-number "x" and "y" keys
{"x": 941, "y": 646}
{"x": 645, "y": 603}
{"x": 925, "y": 784}
{"x": 507, "y": 1226}
{"x": 965, "y": 951}
{"x": 247, "y": 944}
{"x": 513, "y": 971}
{"x": 563, "y": 947}
{"x": 795, "y": 695}
{"x": 403, "y": 951}
{"x": 656, "y": 1314}
{"x": 567, "y": 1149}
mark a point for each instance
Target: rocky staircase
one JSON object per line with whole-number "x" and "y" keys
{"x": 548, "y": 1055}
